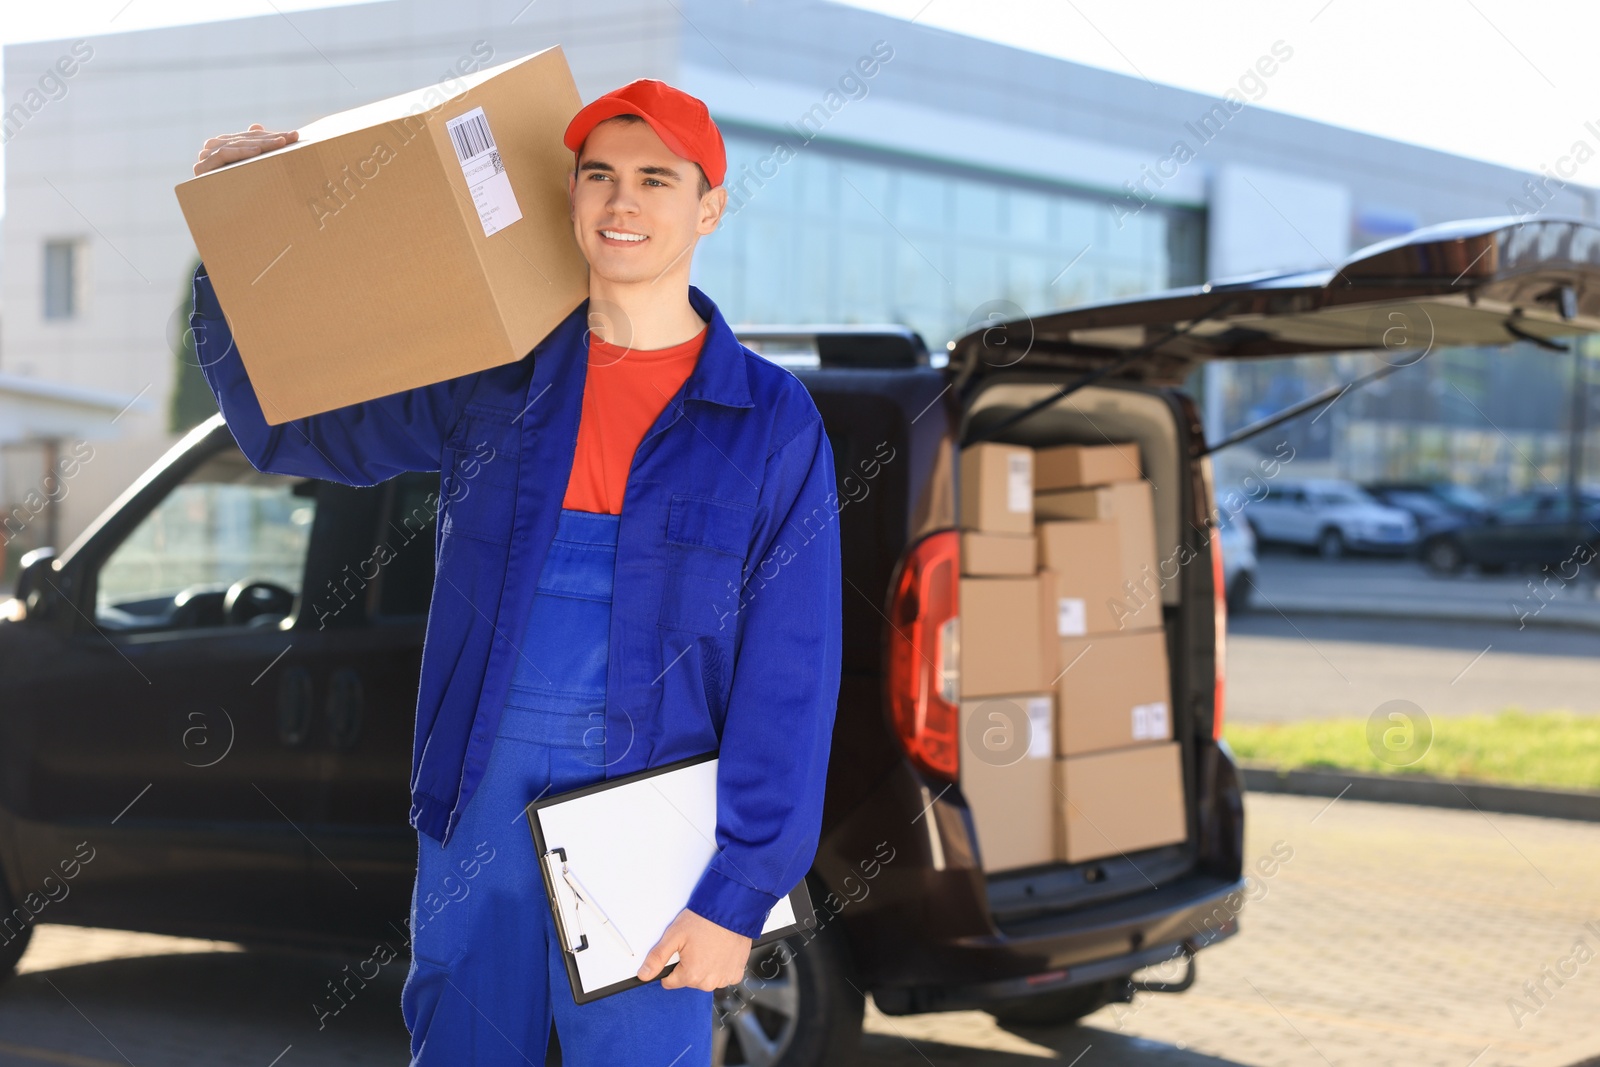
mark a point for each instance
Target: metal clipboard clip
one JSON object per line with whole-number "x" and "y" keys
{"x": 580, "y": 897}
{"x": 561, "y": 912}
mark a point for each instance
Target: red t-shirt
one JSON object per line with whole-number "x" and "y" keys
{"x": 626, "y": 389}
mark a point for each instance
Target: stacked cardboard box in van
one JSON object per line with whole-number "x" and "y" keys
{"x": 1007, "y": 709}
{"x": 1118, "y": 779}
{"x": 1066, "y": 737}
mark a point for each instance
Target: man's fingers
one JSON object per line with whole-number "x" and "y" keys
{"x": 230, "y": 147}
{"x": 256, "y": 136}
{"x": 657, "y": 957}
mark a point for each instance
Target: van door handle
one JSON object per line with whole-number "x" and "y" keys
{"x": 294, "y": 707}
{"x": 345, "y": 706}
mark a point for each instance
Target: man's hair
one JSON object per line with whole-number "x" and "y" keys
{"x": 705, "y": 183}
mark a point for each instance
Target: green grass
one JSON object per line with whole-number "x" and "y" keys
{"x": 1554, "y": 749}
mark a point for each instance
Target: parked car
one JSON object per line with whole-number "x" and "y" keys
{"x": 1432, "y": 513}
{"x": 1334, "y": 517}
{"x": 209, "y": 694}
{"x": 1534, "y": 529}
{"x": 1460, "y": 500}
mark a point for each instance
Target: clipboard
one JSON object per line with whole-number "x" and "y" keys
{"x": 619, "y": 859}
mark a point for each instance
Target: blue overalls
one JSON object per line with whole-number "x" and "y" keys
{"x": 486, "y": 972}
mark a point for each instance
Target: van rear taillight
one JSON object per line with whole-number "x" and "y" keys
{"x": 1219, "y": 586}
{"x": 924, "y": 643}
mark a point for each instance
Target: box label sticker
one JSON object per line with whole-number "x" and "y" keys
{"x": 1072, "y": 616}
{"x": 485, "y": 174}
{"x": 1019, "y": 481}
{"x": 1039, "y": 741}
{"x": 1150, "y": 721}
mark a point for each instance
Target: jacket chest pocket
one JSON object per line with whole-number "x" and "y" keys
{"x": 479, "y": 480}
{"x": 707, "y": 542}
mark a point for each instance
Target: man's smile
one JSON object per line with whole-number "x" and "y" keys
{"x": 621, "y": 237}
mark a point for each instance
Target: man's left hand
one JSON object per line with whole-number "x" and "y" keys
{"x": 709, "y": 956}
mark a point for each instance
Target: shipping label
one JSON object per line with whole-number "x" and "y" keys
{"x": 485, "y": 173}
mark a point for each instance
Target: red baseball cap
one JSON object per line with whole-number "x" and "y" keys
{"x": 680, "y": 120}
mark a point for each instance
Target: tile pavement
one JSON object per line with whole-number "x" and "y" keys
{"x": 1394, "y": 935}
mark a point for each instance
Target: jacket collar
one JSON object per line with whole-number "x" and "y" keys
{"x": 719, "y": 375}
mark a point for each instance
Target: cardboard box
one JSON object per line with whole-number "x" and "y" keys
{"x": 1008, "y": 777}
{"x": 997, "y": 554}
{"x": 397, "y": 244}
{"x": 997, "y": 488}
{"x": 1001, "y": 647}
{"x": 1085, "y": 556}
{"x": 1118, "y": 802}
{"x": 1113, "y": 691}
{"x": 1130, "y": 505}
{"x": 1071, "y": 466}
{"x": 1050, "y": 623}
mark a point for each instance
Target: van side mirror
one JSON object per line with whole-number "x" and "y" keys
{"x": 32, "y": 590}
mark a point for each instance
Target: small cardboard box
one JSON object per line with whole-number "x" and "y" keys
{"x": 398, "y": 244}
{"x": 1114, "y": 691}
{"x": 1071, "y": 466}
{"x": 1118, "y": 802}
{"x": 1008, "y": 777}
{"x": 997, "y": 488}
{"x": 997, "y": 554}
{"x": 1085, "y": 556}
{"x": 1131, "y": 506}
{"x": 1001, "y": 647}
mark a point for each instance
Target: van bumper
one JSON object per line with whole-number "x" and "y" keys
{"x": 1075, "y": 948}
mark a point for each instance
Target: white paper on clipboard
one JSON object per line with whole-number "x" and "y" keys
{"x": 637, "y": 849}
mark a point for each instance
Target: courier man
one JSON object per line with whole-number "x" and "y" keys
{"x": 637, "y": 562}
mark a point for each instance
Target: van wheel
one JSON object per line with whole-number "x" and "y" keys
{"x": 1443, "y": 556}
{"x": 11, "y": 951}
{"x": 1053, "y": 1009}
{"x": 797, "y": 1007}
{"x": 1239, "y": 593}
{"x": 1330, "y": 543}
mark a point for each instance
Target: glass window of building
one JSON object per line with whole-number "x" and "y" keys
{"x": 841, "y": 234}
{"x": 63, "y": 266}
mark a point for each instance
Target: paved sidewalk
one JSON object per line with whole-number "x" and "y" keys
{"x": 1296, "y": 584}
{"x": 1392, "y": 935}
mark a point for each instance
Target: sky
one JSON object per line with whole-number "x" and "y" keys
{"x": 1498, "y": 80}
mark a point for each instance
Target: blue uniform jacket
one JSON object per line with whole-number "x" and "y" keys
{"x": 725, "y": 628}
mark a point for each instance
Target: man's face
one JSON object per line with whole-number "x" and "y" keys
{"x": 636, "y": 207}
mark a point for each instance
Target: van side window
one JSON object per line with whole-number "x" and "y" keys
{"x": 405, "y": 582}
{"x": 226, "y": 547}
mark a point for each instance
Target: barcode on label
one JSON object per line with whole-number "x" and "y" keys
{"x": 484, "y": 171}
{"x": 470, "y": 134}
{"x": 1019, "y": 481}
{"x": 1039, "y": 743}
{"x": 1150, "y": 721}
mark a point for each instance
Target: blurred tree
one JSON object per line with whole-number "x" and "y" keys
{"x": 192, "y": 402}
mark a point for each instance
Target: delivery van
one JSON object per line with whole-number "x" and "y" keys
{"x": 209, "y": 695}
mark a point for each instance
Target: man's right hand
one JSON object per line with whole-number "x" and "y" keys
{"x": 228, "y": 147}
